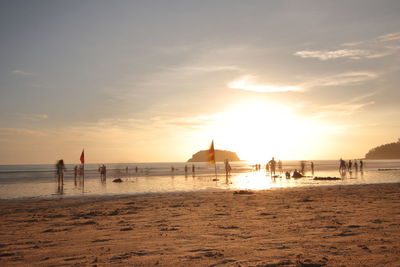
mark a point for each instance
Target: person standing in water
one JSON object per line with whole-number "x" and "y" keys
{"x": 227, "y": 167}
{"x": 280, "y": 166}
{"x": 272, "y": 164}
{"x": 60, "y": 167}
{"x": 312, "y": 168}
{"x": 342, "y": 165}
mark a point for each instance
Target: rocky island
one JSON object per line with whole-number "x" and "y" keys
{"x": 386, "y": 151}
{"x": 220, "y": 155}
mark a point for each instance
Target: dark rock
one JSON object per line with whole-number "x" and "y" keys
{"x": 220, "y": 155}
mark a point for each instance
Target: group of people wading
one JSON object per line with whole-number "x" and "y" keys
{"x": 348, "y": 166}
{"x": 272, "y": 165}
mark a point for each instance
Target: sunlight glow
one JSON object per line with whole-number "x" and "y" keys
{"x": 249, "y": 83}
{"x": 258, "y": 130}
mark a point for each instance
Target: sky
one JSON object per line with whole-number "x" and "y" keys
{"x": 151, "y": 81}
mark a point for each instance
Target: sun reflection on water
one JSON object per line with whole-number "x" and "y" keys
{"x": 260, "y": 181}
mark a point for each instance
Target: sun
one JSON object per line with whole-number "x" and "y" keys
{"x": 258, "y": 130}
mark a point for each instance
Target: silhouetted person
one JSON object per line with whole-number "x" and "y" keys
{"x": 193, "y": 168}
{"x": 280, "y": 166}
{"x": 342, "y": 165}
{"x": 355, "y": 166}
{"x": 104, "y": 171}
{"x": 296, "y": 174}
{"x": 302, "y": 166}
{"x": 136, "y": 169}
{"x": 361, "y": 165}
{"x": 312, "y": 167}
{"x": 75, "y": 174}
{"x": 227, "y": 167}
{"x": 172, "y": 169}
{"x": 186, "y": 169}
{"x": 287, "y": 174}
{"x": 272, "y": 164}
{"x": 80, "y": 171}
{"x": 60, "y": 167}
{"x": 350, "y": 165}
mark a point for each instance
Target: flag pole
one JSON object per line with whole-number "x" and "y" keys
{"x": 215, "y": 166}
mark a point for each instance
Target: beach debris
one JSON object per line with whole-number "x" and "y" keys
{"x": 228, "y": 227}
{"x": 118, "y": 180}
{"x": 265, "y": 214}
{"x": 327, "y": 178}
{"x": 84, "y": 223}
{"x": 7, "y": 254}
{"x": 169, "y": 229}
{"x": 296, "y": 174}
{"x": 126, "y": 229}
{"x": 243, "y": 192}
{"x": 309, "y": 263}
{"x": 74, "y": 258}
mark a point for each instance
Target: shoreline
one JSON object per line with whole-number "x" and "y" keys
{"x": 351, "y": 225}
{"x": 111, "y": 196}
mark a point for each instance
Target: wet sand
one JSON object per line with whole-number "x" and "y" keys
{"x": 320, "y": 226}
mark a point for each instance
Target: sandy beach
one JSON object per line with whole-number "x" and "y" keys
{"x": 326, "y": 226}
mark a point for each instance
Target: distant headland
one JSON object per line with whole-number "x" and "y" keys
{"x": 386, "y": 151}
{"x": 220, "y": 155}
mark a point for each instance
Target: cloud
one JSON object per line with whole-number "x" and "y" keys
{"x": 22, "y": 73}
{"x": 34, "y": 117}
{"x": 200, "y": 69}
{"x": 369, "y": 49}
{"x": 343, "y": 79}
{"x": 389, "y": 37}
{"x": 346, "y": 108}
{"x": 335, "y": 54}
{"x": 249, "y": 83}
{"x": 13, "y": 132}
{"x": 352, "y": 43}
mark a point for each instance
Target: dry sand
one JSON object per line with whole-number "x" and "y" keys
{"x": 320, "y": 226}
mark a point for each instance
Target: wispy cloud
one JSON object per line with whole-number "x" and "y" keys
{"x": 369, "y": 49}
{"x": 334, "y": 54}
{"x": 199, "y": 69}
{"x": 343, "y": 79}
{"x": 22, "y": 73}
{"x": 34, "y": 117}
{"x": 250, "y": 83}
{"x": 389, "y": 37}
{"x": 23, "y": 132}
{"x": 346, "y": 108}
{"x": 352, "y": 78}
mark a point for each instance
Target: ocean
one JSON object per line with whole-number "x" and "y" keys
{"x": 39, "y": 181}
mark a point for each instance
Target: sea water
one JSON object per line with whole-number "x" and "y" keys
{"x": 39, "y": 181}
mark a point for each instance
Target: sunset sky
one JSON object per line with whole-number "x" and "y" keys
{"x": 140, "y": 81}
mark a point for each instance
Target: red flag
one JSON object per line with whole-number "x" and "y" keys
{"x": 83, "y": 157}
{"x": 211, "y": 154}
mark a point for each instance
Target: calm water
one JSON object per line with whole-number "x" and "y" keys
{"x": 39, "y": 181}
